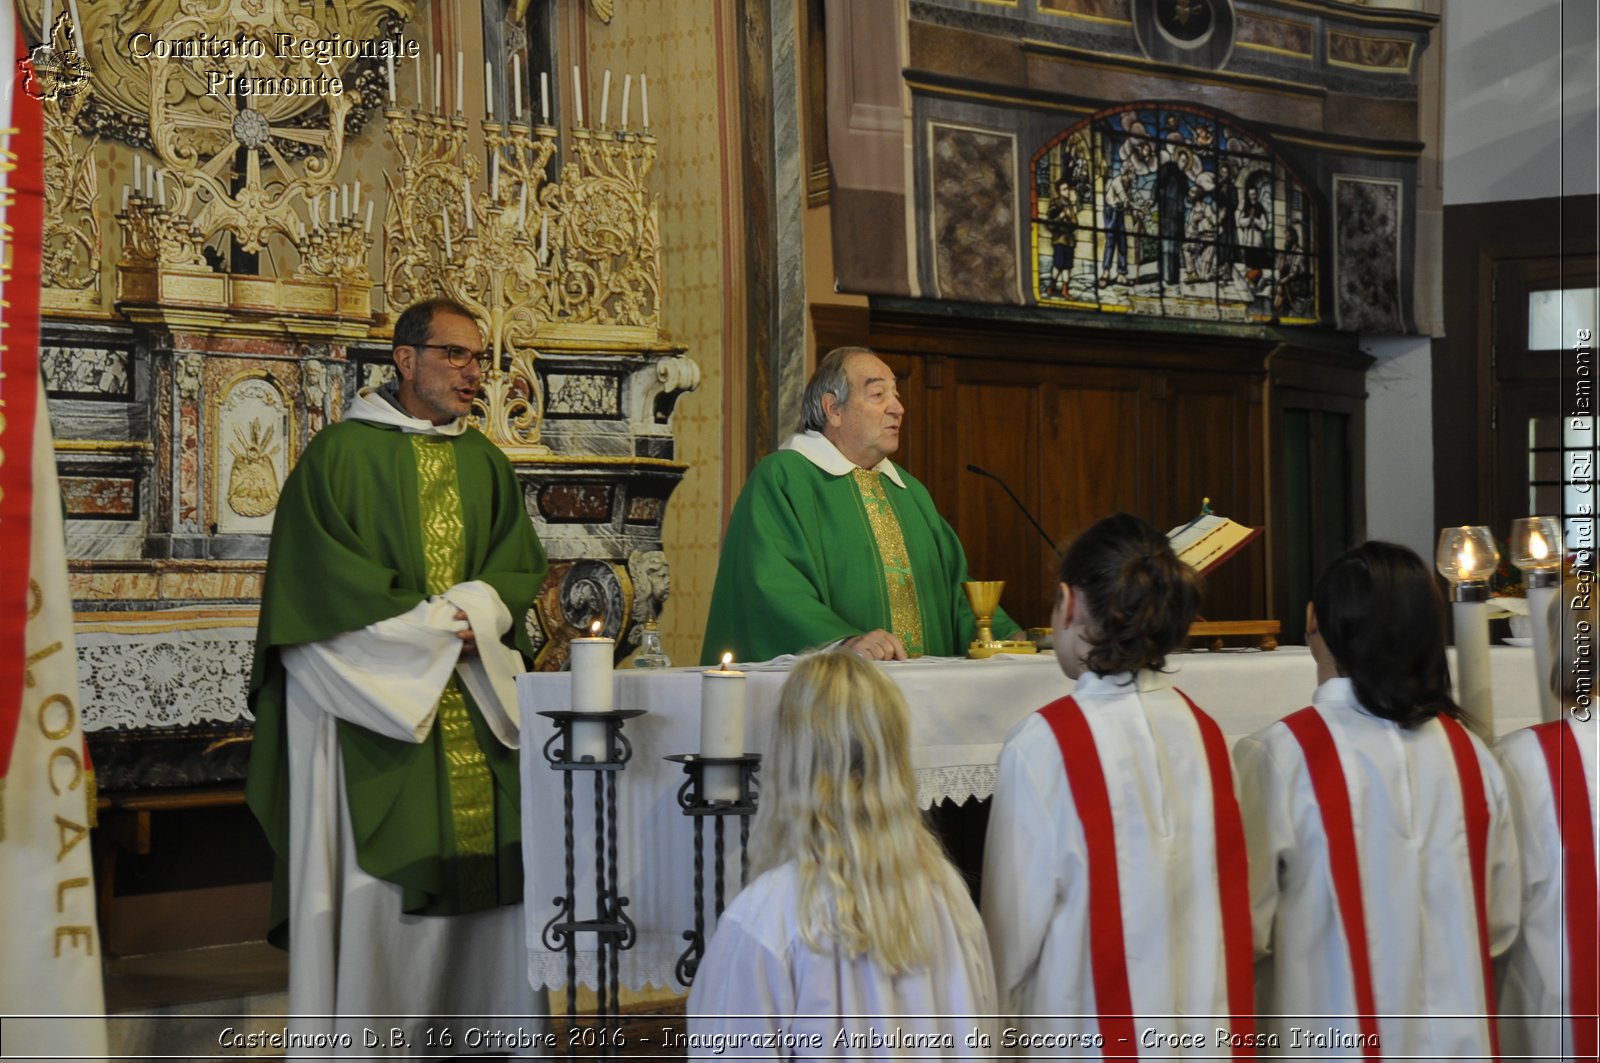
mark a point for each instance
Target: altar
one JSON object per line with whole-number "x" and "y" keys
{"x": 961, "y": 712}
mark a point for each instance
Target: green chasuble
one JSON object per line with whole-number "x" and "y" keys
{"x": 371, "y": 521}
{"x": 811, "y": 557}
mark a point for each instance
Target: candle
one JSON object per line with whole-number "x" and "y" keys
{"x": 344, "y": 194}
{"x": 605, "y": 97}
{"x": 302, "y": 227}
{"x": 438, "y": 83}
{"x": 45, "y": 36}
{"x": 370, "y": 205}
{"x": 77, "y": 31}
{"x": 460, "y": 66}
{"x": 466, "y": 195}
{"x": 1536, "y": 548}
{"x": 722, "y": 729}
{"x": 516, "y": 85}
{"x": 138, "y": 175}
{"x": 488, "y": 90}
{"x": 494, "y": 177}
{"x": 1466, "y": 557}
{"x": 577, "y": 97}
{"x": 388, "y": 63}
{"x": 316, "y": 222}
{"x": 150, "y": 183}
{"x": 124, "y": 197}
{"x": 522, "y": 208}
{"x": 544, "y": 96}
{"x": 333, "y": 208}
{"x": 591, "y": 662}
{"x": 161, "y": 188}
{"x": 449, "y": 252}
{"x": 357, "y": 198}
{"x": 644, "y": 100}
{"x": 627, "y": 90}
{"x": 416, "y": 62}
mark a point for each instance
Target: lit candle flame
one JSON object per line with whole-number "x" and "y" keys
{"x": 594, "y": 629}
{"x": 1465, "y": 560}
{"x": 1538, "y": 549}
{"x": 727, "y": 659}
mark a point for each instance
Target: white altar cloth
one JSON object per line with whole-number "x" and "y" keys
{"x": 960, "y": 713}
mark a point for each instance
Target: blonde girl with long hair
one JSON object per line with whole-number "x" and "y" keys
{"x": 856, "y": 937}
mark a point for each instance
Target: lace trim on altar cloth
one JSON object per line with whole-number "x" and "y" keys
{"x": 958, "y": 782}
{"x": 167, "y": 669}
{"x": 650, "y": 963}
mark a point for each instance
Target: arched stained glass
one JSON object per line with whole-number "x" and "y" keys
{"x": 1173, "y": 211}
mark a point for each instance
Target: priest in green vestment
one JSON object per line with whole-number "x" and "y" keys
{"x": 831, "y": 542}
{"x": 384, "y": 769}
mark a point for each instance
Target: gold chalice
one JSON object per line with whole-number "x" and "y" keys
{"x": 984, "y": 597}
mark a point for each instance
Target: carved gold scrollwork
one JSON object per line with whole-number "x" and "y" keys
{"x": 72, "y": 236}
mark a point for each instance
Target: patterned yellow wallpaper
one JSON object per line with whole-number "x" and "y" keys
{"x": 675, "y": 42}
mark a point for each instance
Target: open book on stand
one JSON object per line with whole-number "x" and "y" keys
{"x": 1209, "y": 540}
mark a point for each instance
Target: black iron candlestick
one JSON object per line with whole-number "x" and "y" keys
{"x": 700, "y": 808}
{"x": 612, "y": 928}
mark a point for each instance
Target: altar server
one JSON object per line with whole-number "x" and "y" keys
{"x": 1383, "y": 856}
{"x": 1115, "y": 887}
{"x": 1550, "y": 978}
{"x": 856, "y": 939}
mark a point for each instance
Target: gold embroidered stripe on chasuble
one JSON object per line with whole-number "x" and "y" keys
{"x": 467, "y": 771}
{"x": 905, "y": 613}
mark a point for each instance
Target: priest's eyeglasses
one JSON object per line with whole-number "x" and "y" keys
{"x": 457, "y": 356}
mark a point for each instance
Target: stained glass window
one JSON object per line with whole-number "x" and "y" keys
{"x": 1172, "y": 211}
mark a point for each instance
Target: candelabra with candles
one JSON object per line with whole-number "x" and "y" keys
{"x": 533, "y": 258}
{"x": 1536, "y": 548}
{"x": 1467, "y": 557}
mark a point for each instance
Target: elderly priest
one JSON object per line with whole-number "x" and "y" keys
{"x": 830, "y": 542}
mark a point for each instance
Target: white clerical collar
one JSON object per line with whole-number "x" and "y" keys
{"x": 1145, "y": 680}
{"x": 820, "y": 451}
{"x": 372, "y": 406}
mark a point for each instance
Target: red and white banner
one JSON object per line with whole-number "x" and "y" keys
{"x": 51, "y": 998}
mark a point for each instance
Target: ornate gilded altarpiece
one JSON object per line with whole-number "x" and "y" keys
{"x": 207, "y": 316}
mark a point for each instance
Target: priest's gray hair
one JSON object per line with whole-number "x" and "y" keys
{"x": 829, "y": 379}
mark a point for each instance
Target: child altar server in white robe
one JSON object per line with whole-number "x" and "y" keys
{"x": 1550, "y": 978}
{"x": 1384, "y": 859}
{"x": 857, "y": 938}
{"x": 1115, "y": 881}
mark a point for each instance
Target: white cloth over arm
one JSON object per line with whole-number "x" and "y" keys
{"x": 386, "y": 677}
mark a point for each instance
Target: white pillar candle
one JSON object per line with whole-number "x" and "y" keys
{"x": 344, "y": 199}
{"x": 488, "y": 90}
{"x": 722, "y": 729}
{"x": 388, "y": 65}
{"x": 302, "y": 227}
{"x": 577, "y": 97}
{"x": 516, "y": 85}
{"x": 438, "y": 83}
{"x": 1539, "y": 600}
{"x": 460, "y": 66}
{"x": 370, "y": 205}
{"x": 627, "y": 90}
{"x": 466, "y": 196}
{"x": 161, "y": 188}
{"x": 522, "y": 208}
{"x": 150, "y": 183}
{"x": 124, "y": 197}
{"x": 138, "y": 175}
{"x": 494, "y": 176}
{"x": 77, "y": 31}
{"x": 605, "y": 98}
{"x": 45, "y": 35}
{"x": 333, "y": 207}
{"x": 544, "y": 96}
{"x": 644, "y": 100}
{"x": 591, "y": 663}
{"x": 416, "y": 63}
{"x": 356, "y": 199}
{"x": 1473, "y": 691}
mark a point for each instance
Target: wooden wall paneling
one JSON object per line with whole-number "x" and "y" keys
{"x": 997, "y": 427}
{"x": 1096, "y": 459}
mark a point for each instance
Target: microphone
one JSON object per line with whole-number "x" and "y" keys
{"x": 985, "y": 472}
